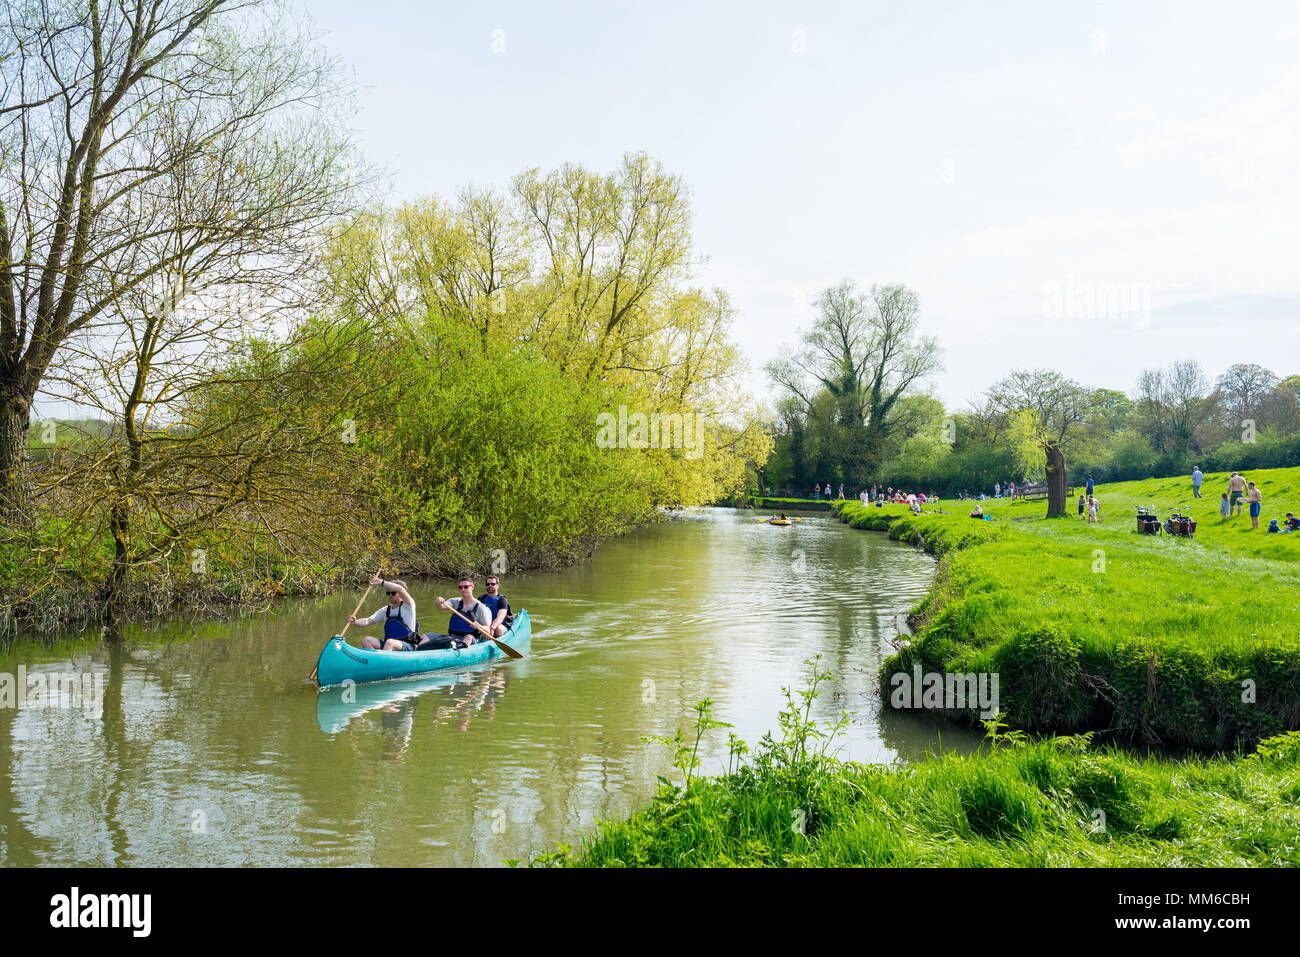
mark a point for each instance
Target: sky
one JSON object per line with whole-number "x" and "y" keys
{"x": 1096, "y": 188}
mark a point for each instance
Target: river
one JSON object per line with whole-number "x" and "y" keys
{"x": 208, "y": 746}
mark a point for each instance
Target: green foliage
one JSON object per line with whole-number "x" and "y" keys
{"x": 1281, "y": 748}
{"x": 686, "y": 757}
{"x": 1055, "y": 802}
{"x": 998, "y": 733}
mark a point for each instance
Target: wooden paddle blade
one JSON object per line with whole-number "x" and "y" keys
{"x": 510, "y": 652}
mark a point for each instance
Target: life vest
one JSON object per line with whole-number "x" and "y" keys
{"x": 458, "y": 626}
{"x": 394, "y": 627}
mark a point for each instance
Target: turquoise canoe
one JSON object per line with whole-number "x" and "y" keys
{"x": 340, "y": 662}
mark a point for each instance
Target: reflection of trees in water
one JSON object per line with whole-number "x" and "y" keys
{"x": 19, "y": 847}
{"x": 117, "y": 750}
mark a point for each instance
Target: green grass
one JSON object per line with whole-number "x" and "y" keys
{"x": 1094, "y": 627}
{"x": 804, "y": 504}
{"x": 1050, "y": 803}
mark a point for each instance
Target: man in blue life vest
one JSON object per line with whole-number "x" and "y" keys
{"x": 398, "y": 618}
{"x": 499, "y": 606}
{"x": 460, "y": 633}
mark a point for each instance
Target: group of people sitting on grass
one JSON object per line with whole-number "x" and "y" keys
{"x": 880, "y": 496}
{"x": 472, "y": 619}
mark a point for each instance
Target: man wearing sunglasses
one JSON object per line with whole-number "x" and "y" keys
{"x": 398, "y": 618}
{"x": 498, "y": 605}
{"x": 460, "y": 633}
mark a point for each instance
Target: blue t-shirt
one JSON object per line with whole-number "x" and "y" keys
{"x": 495, "y": 605}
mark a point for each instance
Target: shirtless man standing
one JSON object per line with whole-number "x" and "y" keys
{"x": 1236, "y": 486}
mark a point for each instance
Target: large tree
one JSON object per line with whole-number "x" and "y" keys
{"x": 1172, "y": 404}
{"x": 142, "y": 143}
{"x": 1242, "y": 391}
{"x": 1054, "y": 408}
{"x": 864, "y": 351}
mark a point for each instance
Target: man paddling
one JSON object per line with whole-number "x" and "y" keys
{"x": 499, "y": 606}
{"x": 398, "y": 618}
{"x": 460, "y": 633}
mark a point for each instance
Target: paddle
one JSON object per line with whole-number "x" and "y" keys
{"x": 474, "y": 624}
{"x": 312, "y": 676}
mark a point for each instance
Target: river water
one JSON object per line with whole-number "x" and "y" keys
{"x": 207, "y": 746}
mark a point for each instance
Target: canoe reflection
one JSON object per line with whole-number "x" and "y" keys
{"x": 459, "y": 697}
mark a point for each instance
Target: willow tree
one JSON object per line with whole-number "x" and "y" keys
{"x": 112, "y": 110}
{"x": 864, "y": 351}
{"x": 1052, "y": 410}
{"x": 589, "y": 270}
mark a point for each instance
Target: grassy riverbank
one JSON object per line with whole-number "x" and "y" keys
{"x": 52, "y": 578}
{"x": 1097, "y": 628}
{"x": 1092, "y": 629}
{"x": 1053, "y": 803}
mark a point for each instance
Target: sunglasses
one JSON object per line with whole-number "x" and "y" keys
{"x": 465, "y": 586}
{"x": 490, "y": 584}
{"x": 392, "y": 593}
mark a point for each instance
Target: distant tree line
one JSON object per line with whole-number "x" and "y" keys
{"x": 853, "y": 407}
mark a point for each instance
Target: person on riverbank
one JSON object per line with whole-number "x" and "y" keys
{"x": 1292, "y": 523}
{"x": 1236, "y": 488}
{"x": 1092, "y": 510}
{"x": 817, "y": 493}
{"x": 1256, "y": 501}
{"x": 997, "y": 489}
{"x": 398, "y": 618}
{"x": 841, "y": 498}
{"x": 1088, "y": 487}
{"x": 1197, "y": 479}
{"x": 499, "y": 605}
{"x": 1083, "y": 503}
{"x": 460, "y": 633}
{"x": 1224, "y": 508}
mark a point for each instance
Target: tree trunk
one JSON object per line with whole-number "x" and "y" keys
{"x": 1055, "y": 481}
{"x": 119, "y": 525}
{"x": 15, "y": 488}
{"x": 762, "y": 486}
